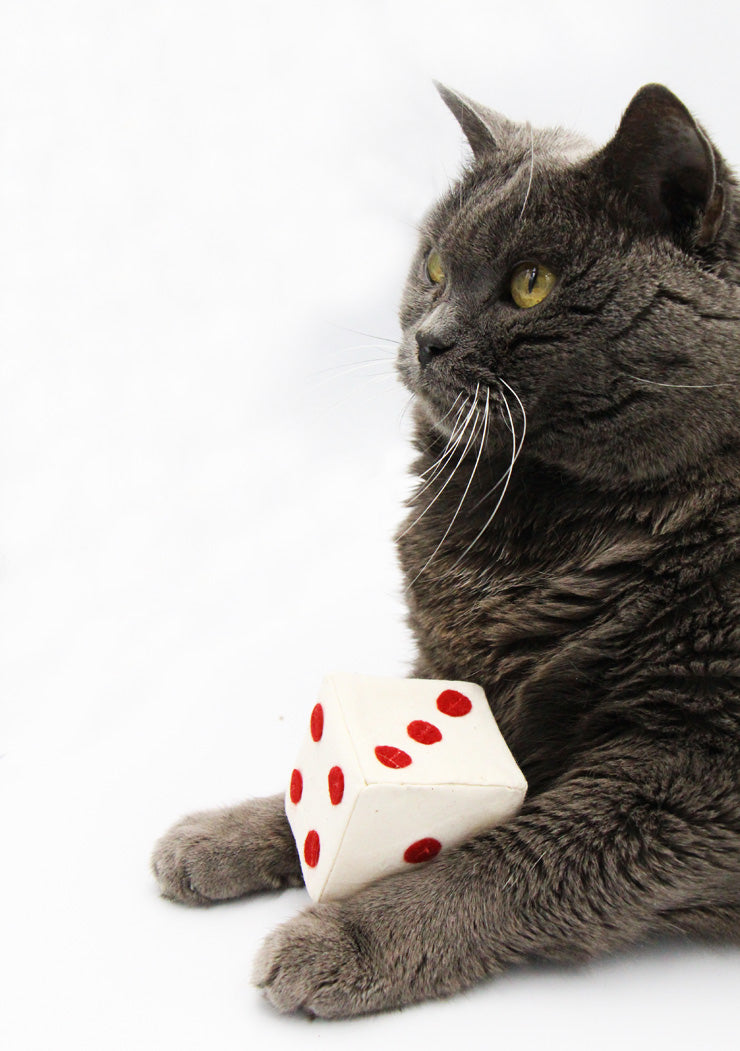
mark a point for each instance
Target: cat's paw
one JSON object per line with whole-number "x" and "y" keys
{"x": 216, "y": 855}
{"x": 318, "y": 963}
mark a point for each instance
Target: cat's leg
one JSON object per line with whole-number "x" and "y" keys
{"x": 215, "y": 855}
{"x": 715, "y": 922}
{"x": 585, "y": 868}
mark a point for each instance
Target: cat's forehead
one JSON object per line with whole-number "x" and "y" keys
{"x": 537, "y": 172}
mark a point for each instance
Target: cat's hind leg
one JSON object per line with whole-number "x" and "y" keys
{"x": 216, "y": 855}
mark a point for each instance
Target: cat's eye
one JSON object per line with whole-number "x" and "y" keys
{"x": 531, "y": 283}
{"x": 435, "y": 270}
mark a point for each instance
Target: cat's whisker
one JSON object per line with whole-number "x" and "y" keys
{"x": 453, "y": 429}
{"x": 472, "y": 414}
{"x": 406, "y": 408}
{"x": 368, "y": 396}
{"x": 368, "y": 335}
{"x": 350, "y": 366}
{"x": 452, "y": 442}
{"x": 451, "y": 408}
{"x": 503, "y": 417}
{"x": 489, "y": 492}
{"x": 531, "y": 169}
{"x": 679, "y": 386}
{"x": 444, "y": 461}
{"x": 450, "y": 448}
{"x": 465, "y": 492}
{"x": 521, "y": 409}
{"x": 516, "y": 449}
{"x": 322, "y": 382}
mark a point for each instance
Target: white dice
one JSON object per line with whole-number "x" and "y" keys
{"x": 392, "y": 772}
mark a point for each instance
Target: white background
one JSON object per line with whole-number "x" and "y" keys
{"x": 204, "y": 210}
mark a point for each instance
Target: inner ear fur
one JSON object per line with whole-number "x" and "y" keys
{"x": 663, "y": 162}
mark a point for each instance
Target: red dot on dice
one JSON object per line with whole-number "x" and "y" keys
{"x": 423, "y": 732}
{"x": 422, "y": 850}
{"x": 336, "y": 785}
{"x": 395, "y": 758}
{"x": 296, "y": 786}
{"x": 312, "y": 849}
{"x": 317, "y": 722}
{"x": 452, "y": 702}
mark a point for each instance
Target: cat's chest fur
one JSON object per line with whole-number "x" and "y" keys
{"x": 556, "y": 612}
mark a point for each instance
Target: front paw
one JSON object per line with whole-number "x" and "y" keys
{"x": 320, "y": 963}
{"x": 188, "y": 865}
{"x": 216, "y": 855}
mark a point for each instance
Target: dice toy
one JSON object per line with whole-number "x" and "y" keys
{"x": 392, "y": 772}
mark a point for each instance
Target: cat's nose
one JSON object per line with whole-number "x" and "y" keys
{"x": 430, "y": 346}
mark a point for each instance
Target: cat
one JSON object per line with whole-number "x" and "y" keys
{"x": 570, "y": 334}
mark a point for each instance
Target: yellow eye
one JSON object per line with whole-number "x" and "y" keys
{"x": 435, "y": 270}
{"x": 531, "y": 283}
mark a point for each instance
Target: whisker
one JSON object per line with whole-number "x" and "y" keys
{"x": 460, "y": 411}
{"x": 451, "y": 408}
{"x": 406, "y": 408}
{"x": 531, "y": 168}
{"x": 452, "y": 443}
{"x": 454, "y": 470}
{"x": 515, "y": 451}
{"x": 521, "y": 409}
{"x": 367, "y": 396}
{"x": 449, "y": 451}
{"x": 465, "y": 493}
{"x": 684, "y": 386}
{"x": 368, "y": 335}
{"x": 350, "y": 366}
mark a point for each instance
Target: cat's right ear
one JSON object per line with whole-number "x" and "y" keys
{"x": 485, "y": 130}
{"x": 662, "y": 161}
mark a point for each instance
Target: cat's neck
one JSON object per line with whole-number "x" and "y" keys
{"x": 533, "y": 499}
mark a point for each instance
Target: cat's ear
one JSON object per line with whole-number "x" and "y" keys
{"x": 663, "y": 161}
{"x": 485, "y": 130}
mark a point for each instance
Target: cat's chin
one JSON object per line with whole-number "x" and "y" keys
{"x": 453, "y": 412}
{"x": 440, "y": 412}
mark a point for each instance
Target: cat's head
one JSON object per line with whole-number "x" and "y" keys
{"x": 593, "y": 289}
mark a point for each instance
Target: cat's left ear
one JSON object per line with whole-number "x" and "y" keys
{"x": 486, "y": 131}
{"x": 662, "y": 160}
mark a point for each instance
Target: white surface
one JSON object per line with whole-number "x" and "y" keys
{"x": 449, "y": 790}
{"x": 199, "y": 202}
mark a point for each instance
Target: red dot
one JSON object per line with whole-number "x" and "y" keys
{"x": 312, "y": 849}
{"x": 296, "y": 786}
{"x": 423, "y": 732}
{"x": 395, "y": 758}
{"x": 422, "y": 850}
{"x": 451, "y": 702}
{"x": 317, "y": 722}
{"x": 336, "y": 785}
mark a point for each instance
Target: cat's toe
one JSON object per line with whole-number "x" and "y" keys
{"x": 315, "y": 964}
{"x": 180, "y": 862}
{"x": 218, "y": 855}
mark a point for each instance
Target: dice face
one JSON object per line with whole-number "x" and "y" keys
{"x": 324, "y": 786}
{"x": 392, "y": 773}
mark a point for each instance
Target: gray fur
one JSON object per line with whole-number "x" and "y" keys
{"x": 216, "y": 855}
{"x": 599, "y": 606}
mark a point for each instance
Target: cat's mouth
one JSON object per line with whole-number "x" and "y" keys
{"x": 440, "y": 393}
{"x": 434, "y": 385}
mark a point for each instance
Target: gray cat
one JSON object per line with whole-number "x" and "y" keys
{"x": 570, "y": 331}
